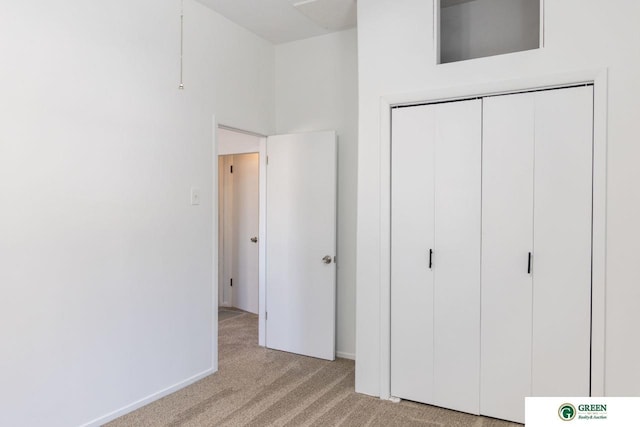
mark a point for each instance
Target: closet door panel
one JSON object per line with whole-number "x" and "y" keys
{"x": 507, "y": 239}
{"x": 456, "y": 260}
{"x": 562, "y": 242}
{"x": 411, "y": 238}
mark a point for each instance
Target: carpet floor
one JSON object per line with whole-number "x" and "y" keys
{"x": 225, "y": 313}
{"x": 259, "y": 387}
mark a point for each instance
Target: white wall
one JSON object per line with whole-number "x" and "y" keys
{"x": 106, "y": 270}
{"x": 395, "y": 49}
{"x": 316, "y": 89}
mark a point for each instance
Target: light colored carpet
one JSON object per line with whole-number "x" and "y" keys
{"x": 225, "y": 313}
{"x": 259, "y": 387}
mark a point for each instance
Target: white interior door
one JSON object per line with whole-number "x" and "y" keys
{"x": 301, "y": 243}
{"x": 412, "y": 239}
{"x": 456, "y": 259}
{"x": 537, "y": 183}
{"x": 562, "y": 242}
{"x": 245, "y": 231}
{"x": 435, "y": 254}
{"x": 507, "y": 240}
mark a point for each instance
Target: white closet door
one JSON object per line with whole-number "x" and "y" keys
{"x": 456, "y": 260}
{"x": 412, "y": 222}
{"x": 562, "y": 242}
{"x": 507, "y": 239}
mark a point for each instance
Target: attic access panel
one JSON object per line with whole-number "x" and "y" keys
{"x": 470, "y": 29}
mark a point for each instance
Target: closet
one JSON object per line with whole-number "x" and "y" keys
{"x": 491, "y": 250}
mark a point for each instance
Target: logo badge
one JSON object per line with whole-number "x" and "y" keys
{"x": 567, "y": 412}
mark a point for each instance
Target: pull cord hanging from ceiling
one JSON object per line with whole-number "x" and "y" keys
{"x": 181, "y": 85}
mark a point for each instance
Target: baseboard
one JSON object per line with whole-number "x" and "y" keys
{"x": 146, "y": 400}
{"x": 343, "y": 355}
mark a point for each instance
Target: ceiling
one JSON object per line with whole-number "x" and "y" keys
{"x": 282, "y": 21}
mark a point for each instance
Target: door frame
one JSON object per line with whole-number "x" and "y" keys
{"x": 261, "y": 149}
{"x": 597, "y": 77}
{"x": 223, "y": 228}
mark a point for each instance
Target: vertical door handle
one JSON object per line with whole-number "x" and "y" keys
{"x": 529, "y": 264}
{"x": 430, "y": 258}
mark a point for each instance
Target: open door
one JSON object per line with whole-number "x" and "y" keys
{"x": 301, "y": 243}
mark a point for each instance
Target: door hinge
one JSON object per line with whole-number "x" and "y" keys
{"x": 231, "y": 169}
{"x": 230, "y": 282}
{"x": 266, "y": 316}
{"x": 267, "y": 159}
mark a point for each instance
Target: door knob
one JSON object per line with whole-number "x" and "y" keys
{"x": 326, "y": 259}
{"x": 254, "y": 239}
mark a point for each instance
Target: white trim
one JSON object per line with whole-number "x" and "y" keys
{"x": 246, "y": 132}
{"x": 262, "y": 245}
{"x": 385, "y": 250}
{"x": 599, "y": 244}
{"x": 436, "y": 31}
{"x": 542, "y": 26}
{"x": 224, "y": 191}
{"x": 214, "y": 246}
{"x": 600, "y": 81}
{"x": 146, "y": 400}
{"x": 344, "y": 355}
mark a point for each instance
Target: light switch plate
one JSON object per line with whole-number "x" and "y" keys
{"x": 195, "y": 196}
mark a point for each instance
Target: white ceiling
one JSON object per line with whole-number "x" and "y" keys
{"x": 282, "y": 21}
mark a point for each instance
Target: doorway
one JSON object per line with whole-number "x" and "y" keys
{"x": 239, "y": 226}
{"x": 239, "y": 212}
{"x": 311, "y": 209}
